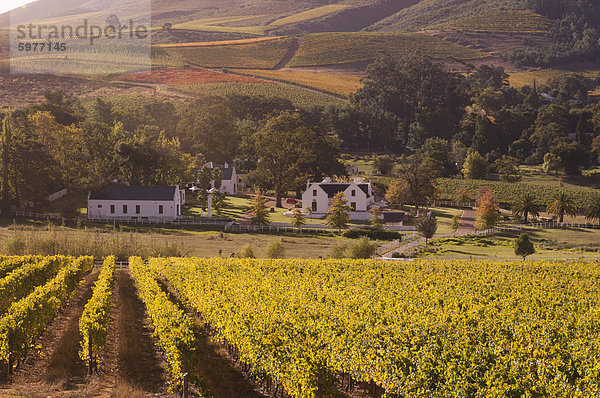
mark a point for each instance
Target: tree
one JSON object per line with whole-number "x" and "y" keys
{"x": 508, "y": 168}
{"x": 462, "y": 196}
{"x": 416, "y": 183}
{"x": 524, "y": 246}
{"x": 436, "y": 152}
{"x": 219, "y": 202}
{"x": 210, "y": 131}
{"x": 259, "y": 211}
{"x": 561, "y": 205}
{"x": 376, "y": 220}
{"x": 592, "y": 212}
{"x": 288, "y": 153}
{"x": 527, "y": 205}
{"x": 427, "y": 226}
{"x": 337, "y": 214}
{"x": 298, "y": 219}
{"x": 572, "y": 157}
{"x": 488, "y": 211}
{"x": 384, "y": 164}
{"x": 552, "y": 164}
{"x": 476, "y": 166}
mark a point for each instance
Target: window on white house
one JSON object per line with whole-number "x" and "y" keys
{"x": 354, "y": 192}
{"x": 112, "y": 209}
{"x": 314, "y": 206}
{"x": 137, "y": 209}
{"x": 353, "y": 206}
{"x": 99, "y": 206}
{"x": 160, "y": 209}
{"x": 314, "y": 192}
{"x": 124, "y": 209}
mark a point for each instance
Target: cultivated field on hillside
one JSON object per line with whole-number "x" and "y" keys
{"x": 182, "y": 76}
{"x": 333, "y": 83}
{"x": 516, "y": 21}
{"x": 299, "y": 96}
{"x": 255, "y": 55}
{"x": 344, "y": 48}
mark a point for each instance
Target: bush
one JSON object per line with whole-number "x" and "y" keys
{"x": 372, "y": 233}
{"x": 275, "y": 249}
{"x": 247, "y": 252}
{"x": 363, "y": 248}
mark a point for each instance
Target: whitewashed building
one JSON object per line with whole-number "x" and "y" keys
{"x": 318, "y": 196}
{"x": 136, "y": 203}
{"x": 230, "y": 182}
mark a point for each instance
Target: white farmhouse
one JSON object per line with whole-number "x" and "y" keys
{"x": 136, "y": 203}
{"x": 359, "y": 194}
{"x": 230, "y": 181}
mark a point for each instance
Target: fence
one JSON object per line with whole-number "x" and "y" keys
{"x": 121, "y": 220}
{"x": 276, "y": 228}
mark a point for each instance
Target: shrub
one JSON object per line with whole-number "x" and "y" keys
{"x": 372, "y": 233}
{"x": 247, "y": 252}
{"x": 275, "y": 249}
{"x": 363, "y": 248}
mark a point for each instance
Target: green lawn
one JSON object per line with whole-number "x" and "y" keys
{"x": 444, "y": 218}
{"x": 551, "y": 243}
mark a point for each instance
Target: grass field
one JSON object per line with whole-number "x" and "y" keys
{"x": 342, "y": 48}
{"x": 542, "y": 76}
{"x": 333, "y": 83}
{"x": 300, "y": 97}
{"x": 501, "y": 21}
{"x": 254, "y": 55}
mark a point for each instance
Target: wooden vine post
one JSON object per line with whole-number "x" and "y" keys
{"x": 10, "y": 353}
{"x": 90, "y": 354}
{"x": 185, "y": 385}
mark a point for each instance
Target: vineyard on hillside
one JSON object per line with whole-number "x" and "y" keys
{"x": 299, "y": 96}
{"x": 343, "y": 48}
{"x": 309, "y": 328}
{"x": 520, "y": 21}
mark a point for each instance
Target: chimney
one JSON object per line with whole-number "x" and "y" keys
{"x": 226, "y": 165}
{"x": 327, "y": 180}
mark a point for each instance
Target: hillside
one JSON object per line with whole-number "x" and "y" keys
{"x": 432, "y": 12}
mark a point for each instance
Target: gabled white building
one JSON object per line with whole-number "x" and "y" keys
{"x": 136, "y": 203}
{"x": 318, "y": 196}
{"x": 230, "y": 181}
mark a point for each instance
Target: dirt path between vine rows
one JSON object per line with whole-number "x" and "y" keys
{"x": 132, "y": 365}
{"x": 53, "y": 365}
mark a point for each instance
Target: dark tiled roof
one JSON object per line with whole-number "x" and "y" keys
{"x": 124, "y": 192}
{"x": 227, "y": 172}
{"x": 393, "y": 216}
{"x": 333, "y": 189}
{"x": 364, "y": 188}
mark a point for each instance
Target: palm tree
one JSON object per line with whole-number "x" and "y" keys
{"x": 527, "y": 205}
{"x": 593, "y": 210}
{"x": 562, "y": 204}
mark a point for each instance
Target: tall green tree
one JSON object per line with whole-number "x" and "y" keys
{"x": 524, "y": 246}
{"x": 298, "y": 219}
{"x": 416, "y": 183}
{"x": 427, "y": 226}
{"x": 258, "y": 209}
{"x": 337, "y": 214}
{"x": 561, "y": 205}
{"x": 287, "y": 151}
{"x": 476, "y": 166}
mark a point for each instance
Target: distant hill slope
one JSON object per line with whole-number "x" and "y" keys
{"x": 432, "y": 12}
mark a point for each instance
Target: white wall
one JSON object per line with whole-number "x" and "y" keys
{"x": 149, "y": 209}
